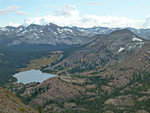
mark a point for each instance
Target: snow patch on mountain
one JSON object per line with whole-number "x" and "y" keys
{"x": 137, "y": 39}
{"x": 3, "y": 29}
{"x": 121, "y": 49}
{"x": 67, "y": 30}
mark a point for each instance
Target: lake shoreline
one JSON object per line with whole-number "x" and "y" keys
{"x": 32, "y": 75}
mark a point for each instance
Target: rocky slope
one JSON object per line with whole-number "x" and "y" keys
{"x": 102, "y": 49}
{"x": 9, "y": 103}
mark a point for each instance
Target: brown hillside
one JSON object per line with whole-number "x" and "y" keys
{"x": 9, "y": 103}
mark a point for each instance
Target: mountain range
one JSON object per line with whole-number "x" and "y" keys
{"x": 100, "y": 70}
{"x": 50, "y": 34}
{"x": 107, "y": 73}
{"x": 53, "y": 35}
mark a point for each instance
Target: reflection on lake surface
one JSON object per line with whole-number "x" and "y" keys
{"x": 32, "y": 76}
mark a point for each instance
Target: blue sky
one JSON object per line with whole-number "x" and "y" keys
{"x": 82, "y": 13}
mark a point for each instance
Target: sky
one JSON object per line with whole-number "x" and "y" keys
{"x": 80, "y": 13}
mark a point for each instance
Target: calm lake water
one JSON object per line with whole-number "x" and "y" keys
{"x": 32, "y": 76}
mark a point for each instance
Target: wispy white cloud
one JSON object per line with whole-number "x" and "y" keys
{"x": 9, "y": 9}
{"x": 13, "y": 9}
{"x": 70, "y": 16}
{"x": 68, "y": 11}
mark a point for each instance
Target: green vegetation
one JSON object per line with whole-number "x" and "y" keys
{"x": 76, "y": 69}
{"x": 22, "y": 109}
{"x": 97, "y": 105}
{"x": 93, "y": 99}
{"x": 39, "y": 109}
{"x": 86, "y": 104}
{"x": 12, "y": 61}
{"x": 113, "y": 66}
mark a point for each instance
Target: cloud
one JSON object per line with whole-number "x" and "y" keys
{"x": 146, "y": 23}
{"x": 13, "y": 24}
{"x": 70, "y": 16}
{"x": 109, "y": 21}
{"x": 68, "y": 11}
{"x": 13, "y": 9}
{"x": 9, "y": 9}
{"x": 65, "y": 16}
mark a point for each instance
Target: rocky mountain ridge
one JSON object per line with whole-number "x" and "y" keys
{"x": 50, "y": 34}
{"x": 102, "y": 49}
{"x": 144, "y": 33}
{"x": 54, "y": 35}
